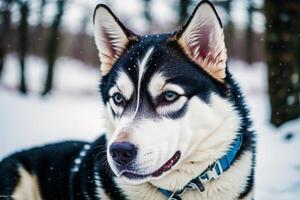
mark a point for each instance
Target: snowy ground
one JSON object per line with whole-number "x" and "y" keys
{"x": 72, "y": 112}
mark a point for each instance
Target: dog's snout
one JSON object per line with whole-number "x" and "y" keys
{"x": 122, "y": 152}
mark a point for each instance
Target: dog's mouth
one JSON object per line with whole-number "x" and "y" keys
{"x": 166, "y": 167}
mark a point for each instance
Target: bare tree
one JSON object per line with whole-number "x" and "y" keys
{"x": 5, "y": 28}
{"x": 147, "y": 10}
{"x": 183, "y": 10}
{"x": 41, "y": 11}
{"x": 283, "y": 59}
{"x": 249, "y": 33}
{"x": 53, "y": 45}
{"x": 23, "y": 43}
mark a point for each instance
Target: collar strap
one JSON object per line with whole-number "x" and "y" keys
{"x": 212, "y": 172}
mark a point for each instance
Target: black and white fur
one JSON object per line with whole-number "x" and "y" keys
{"x": 162, "y": 95}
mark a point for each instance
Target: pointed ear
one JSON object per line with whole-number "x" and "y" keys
{"x": 111, "y": 37}
{"x": 202, "y": 39}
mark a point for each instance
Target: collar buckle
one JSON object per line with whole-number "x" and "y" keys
{"x": 216, "y": 171}
{"x": 197, "y": 184}
{"x": 212, "y": 172}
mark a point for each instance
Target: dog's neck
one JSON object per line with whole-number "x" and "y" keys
{"x": 213, "y": 171}
{"x": 217, "y": 189}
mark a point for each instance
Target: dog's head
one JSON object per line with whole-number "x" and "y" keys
{"x": 165, "y": 96}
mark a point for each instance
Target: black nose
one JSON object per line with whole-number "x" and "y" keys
{"x": 122, "y": 152}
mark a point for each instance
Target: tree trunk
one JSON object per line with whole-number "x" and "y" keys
{"x": 41, "y": 12}
{"x": 249, "y": 33}
{"x": 5, "y": 17}
{"x": 283, "y": 59}
{"x": 229, "y": 29}
{"x": 23, "y": 45}
{"x": 52, "y": 46}
{"x": 2, "y": 55}
{"x": 147, "y": 13}
{"x": 183, "y": 10}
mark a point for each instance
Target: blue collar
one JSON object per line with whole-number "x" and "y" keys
{"x": 212, "y": 172}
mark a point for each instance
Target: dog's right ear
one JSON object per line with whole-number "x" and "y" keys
{"x": 202, "y": 39}
{"x": 111, "y": 37}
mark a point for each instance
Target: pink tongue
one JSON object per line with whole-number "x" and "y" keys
{"x": 167, "y": 166}
{"x": 157, "y": 173}
{"x": 164, "y": 168}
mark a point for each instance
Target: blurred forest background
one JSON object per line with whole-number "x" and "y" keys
{"x": 256, "y": 31}
{"x": 49, "y": 73}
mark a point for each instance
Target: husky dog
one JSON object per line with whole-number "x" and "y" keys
{"x": 177, "y": 125}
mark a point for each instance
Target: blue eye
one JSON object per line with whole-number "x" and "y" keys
{"x": 170, "y": 96}
{"x": 118, "y": 98}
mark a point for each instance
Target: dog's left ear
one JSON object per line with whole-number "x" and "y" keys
{"x": 202, "y": 39}
{"x": 111, "y": 37}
